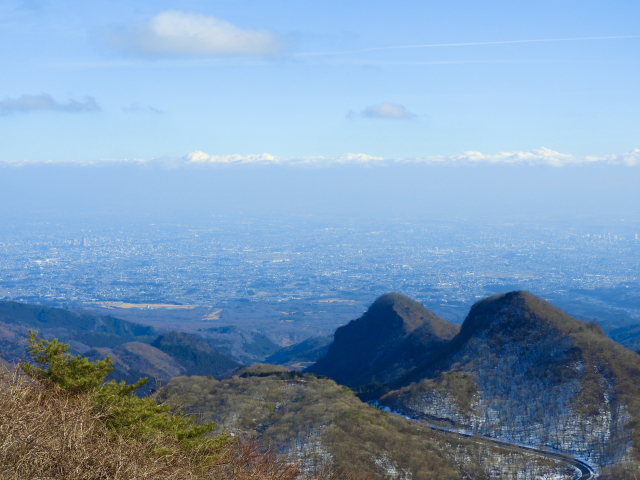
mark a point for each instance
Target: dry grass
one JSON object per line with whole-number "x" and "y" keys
{"x": 45, "y": 434}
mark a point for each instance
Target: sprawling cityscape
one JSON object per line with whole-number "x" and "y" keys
{"x": 444, "y": 265}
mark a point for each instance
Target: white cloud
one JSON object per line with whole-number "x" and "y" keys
{"x": 538, "y": 157}
{"x": 30, "y": 103}
{"x": 386, "y": 110}
{"x": 201, "y": 158}
{"x": 174, "y": 33}
{"x": 358, "y": 158}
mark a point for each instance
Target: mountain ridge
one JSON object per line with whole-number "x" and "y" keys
{"x": 524, "y": 370}
{"x": 194, "y": 354}
{"x": 388, "y": 340}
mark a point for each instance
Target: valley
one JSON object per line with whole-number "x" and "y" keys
{"x": 520, "y": 390}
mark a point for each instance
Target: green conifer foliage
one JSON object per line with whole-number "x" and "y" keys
{"x": 123, "y": 412}
{"x": 73, "y": 374}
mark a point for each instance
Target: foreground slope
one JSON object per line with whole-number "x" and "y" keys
{"x": 323, "y": 424}
{"x": 523, "y": 370}
{"x": 390, "y": 339}
{"x": 57, "y": 429}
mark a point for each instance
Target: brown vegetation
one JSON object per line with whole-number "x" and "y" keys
{"x": 516, "y": 347}
{"x": 325, "y": 424}
{"x": 50, "y": 430}
{"x": 48, "y": 434}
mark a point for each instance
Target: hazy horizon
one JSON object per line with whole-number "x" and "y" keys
{"x": 411, "y": 190}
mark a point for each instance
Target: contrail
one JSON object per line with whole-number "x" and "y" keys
{"x": 468, "y": 44}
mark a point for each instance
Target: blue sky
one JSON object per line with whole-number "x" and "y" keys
{"x": 85, "y": 81}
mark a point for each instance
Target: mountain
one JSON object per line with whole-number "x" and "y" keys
{"x": 85, "y": 330}
{"x": 242, "y": 345}
{"x": 389, "y": 340}
{"x": 194, "y": 354}
{"x": 325, "y": 424}
{"x": 82, "y": 332}
{"x": 36, "y": 316}
{"x": 135, "y": 360}
{"x": 628, "y": 336}
{"x": 302, "y": 354}
{"x": 523, "y": 370}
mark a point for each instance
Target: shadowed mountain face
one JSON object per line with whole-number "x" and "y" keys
{"x": 628, "y": 336}
{"x": 521, "y": 369}
{"x": 393, "y": 336}
{"x": 36, "y": 316}
{"x": 242, "y": 345}
{"x": 194, "y": 354}
{"x": 301, "y": 354}
{"x": 83, "y": 332}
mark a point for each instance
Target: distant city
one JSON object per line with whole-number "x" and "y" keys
{"x": 444, "y": 265}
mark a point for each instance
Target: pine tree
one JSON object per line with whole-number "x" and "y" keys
{"x": 123, "y": 412}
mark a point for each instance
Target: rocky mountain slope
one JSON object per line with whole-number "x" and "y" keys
{"x": 523, "y": 370}
{"x": 321, "y": 423}
{"x": 388, "y": 341}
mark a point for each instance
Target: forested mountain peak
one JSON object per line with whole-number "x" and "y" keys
{"x": 523, "y": 370}
{"x": 387, "y": 341}
{"x": 516, "y": 315}
{"x": 409, "y": 315}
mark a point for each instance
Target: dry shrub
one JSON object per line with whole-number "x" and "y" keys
{"x": 47, "y": 434}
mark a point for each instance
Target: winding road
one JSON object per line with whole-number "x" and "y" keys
{"x": 586, "y": 470}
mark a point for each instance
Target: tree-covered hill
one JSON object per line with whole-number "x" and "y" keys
{"x": 240, "y": 344}
{"x": 523, "y": 370}
{"x": 389, "y": 340}
{"x": 194, "y": 354}
{"x": 37, "y": 316}
{"x": 128, "y": 343}
{"x": 134, "y": 360}
{"x": 325, "y": 424}
{"x": 82, "y": 331}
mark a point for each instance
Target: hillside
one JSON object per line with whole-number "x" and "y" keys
{"x": 302, "y": 354}
{"x": 523, "y": 370}
{"x": 194, "y": 354}
{"x": 240, "y": 344}
{"x": 36, "y": 316}
{"x": 61, "y": 422}
{"x": 135, "y": 360}
{"x": 388, "y": 341}
{"x": 628, "y": 336}
{"x": 323, "y": 424}
{"x": 82, "y": 331}
{"x": 94, "y": 336}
